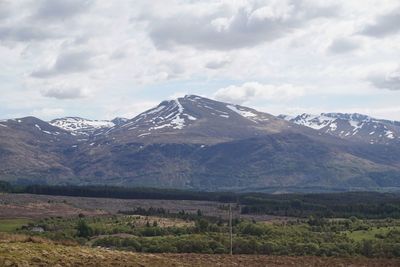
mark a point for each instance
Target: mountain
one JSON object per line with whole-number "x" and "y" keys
{"x": 197, "y": 143}
{"x": 355, "y": 126}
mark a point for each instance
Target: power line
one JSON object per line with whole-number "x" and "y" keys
{"x": 230, "y": 228}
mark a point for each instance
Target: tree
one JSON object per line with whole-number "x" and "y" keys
{"x": 367, "y": 248}
{"x": 84, "y": 230}
{"x": 199, "y": 213}
{"x": 202, "y": 225}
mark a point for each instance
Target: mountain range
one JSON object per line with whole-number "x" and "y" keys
{"x": 197, "y": 143}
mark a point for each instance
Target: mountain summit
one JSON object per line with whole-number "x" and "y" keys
{"x": 195, "y": 119}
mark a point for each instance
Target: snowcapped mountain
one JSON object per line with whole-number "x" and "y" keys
{"x": 198, "y": 143}
{"x": 351, "y": 126}
{"x": 196, "y": 119}
{"x": 80, "y": 126}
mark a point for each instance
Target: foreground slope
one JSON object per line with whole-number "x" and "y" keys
{"x": 18, "y": 250}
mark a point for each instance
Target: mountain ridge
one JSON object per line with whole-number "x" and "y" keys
{"x": 192, "y": 143}
{"x": 352, "y": 126}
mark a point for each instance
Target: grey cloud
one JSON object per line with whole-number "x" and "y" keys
{"x": 64, "y": 93}
{"x": 343, "y": 45}
{"x": 390, "y": 81}
{"x": 384, "y": 25}
{"x": 4, "y": 10}
{"x": 41, "y": 20}
{"x": 61, "y": 9}
{"x": 70, "y": 62}
{"x": 246, "y": 28}
{"x": 25, "y": 33}
{"x": 218, "y": 64}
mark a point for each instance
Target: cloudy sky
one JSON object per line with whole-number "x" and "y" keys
{"x": 101, "y": 59}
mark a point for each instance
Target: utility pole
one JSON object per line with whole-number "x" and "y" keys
{"x": 230, "y": 228}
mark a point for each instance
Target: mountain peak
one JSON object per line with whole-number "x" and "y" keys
{"x": 197, "y": 119}
{"x": 352, "y": 126}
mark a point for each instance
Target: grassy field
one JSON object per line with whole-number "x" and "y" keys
{"x": 372, "y": 233}
{"x": 10, "y": 225}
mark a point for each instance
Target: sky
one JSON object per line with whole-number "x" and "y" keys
{"x": 103, "y": 59}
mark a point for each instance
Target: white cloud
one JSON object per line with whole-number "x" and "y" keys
{"x": 128, "y": 52}
{"x": 48, "y": 113}
{"x": 254, "y": 90}
{"x": 128, "y": 110}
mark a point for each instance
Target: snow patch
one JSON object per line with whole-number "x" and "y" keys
{"x": 333, "y": 126}
{"x": 80, "y": 125}
{"x": 389, "y": 134}
{"x": 143, "y": 134}
{"x": 242, "y": 112}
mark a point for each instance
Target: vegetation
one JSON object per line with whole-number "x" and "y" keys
{"x": 10, "y": 225}
{"x": 320, "y": 224}
{"x": 170, "y": 234}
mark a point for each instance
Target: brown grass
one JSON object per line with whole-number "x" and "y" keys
{"x": 41, "y": 206}
{"x": 19, "y": 250}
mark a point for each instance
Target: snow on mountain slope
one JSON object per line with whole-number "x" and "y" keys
{"x": 350, "y": 126}
{"x": 249, "y": 113}
{"x": 172, "y": 114}
{"x": 76, "y": 125}
{"x": 169, "y": 114}
{"x": 197, "y": 118}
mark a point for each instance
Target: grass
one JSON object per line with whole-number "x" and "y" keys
{"x": 10, "y": 225}
{"x": 371, "y": 233}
